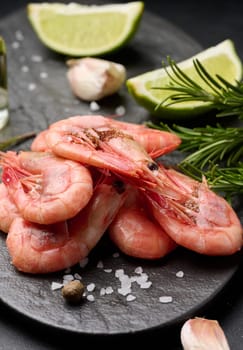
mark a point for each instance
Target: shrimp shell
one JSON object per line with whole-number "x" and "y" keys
{"x": 41, "y": 249}
{"x": 46, "y": 188}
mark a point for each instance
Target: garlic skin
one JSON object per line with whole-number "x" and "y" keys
{"x": 91, "y": 79}
{"x": 203, "y": 334}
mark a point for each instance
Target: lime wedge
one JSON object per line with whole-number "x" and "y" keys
{"x": 221, "y": 59}
{"x": 85, "y": 30}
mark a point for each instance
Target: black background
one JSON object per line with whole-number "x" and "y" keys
{"x": 208, "y": 22}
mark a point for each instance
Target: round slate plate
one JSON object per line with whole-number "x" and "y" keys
{"x": 40, "y": 95}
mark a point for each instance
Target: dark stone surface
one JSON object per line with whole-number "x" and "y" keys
{"x": 201, "y": 291}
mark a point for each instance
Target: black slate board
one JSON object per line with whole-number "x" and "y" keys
{"x": 52, "y": 100}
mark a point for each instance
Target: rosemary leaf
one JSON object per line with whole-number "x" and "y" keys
{"x": 223, "y": 96}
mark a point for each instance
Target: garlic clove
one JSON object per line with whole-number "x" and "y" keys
{"x": 203, "y": 334}
{"x": 91, "y": 79}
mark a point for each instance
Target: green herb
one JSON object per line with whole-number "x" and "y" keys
{"x": 12, "y": 141}
{"x": 214, "y": 152}
{"x": 208, "y": 144}
{"x": 223, "y": 96}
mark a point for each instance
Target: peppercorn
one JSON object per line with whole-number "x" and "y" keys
{"x": 73, "y": 291}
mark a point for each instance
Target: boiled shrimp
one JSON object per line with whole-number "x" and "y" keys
{"x": 8, "y": 210}
{"x": 45, "y": 188}
{"x": 102, "y": 147}
{"x": 155, "y": 142}
{"x": 194, "y": 216}
{"x": 136, "y": 233}
{"x": 38, "y": 248}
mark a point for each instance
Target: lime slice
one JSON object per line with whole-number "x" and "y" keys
{"x": 83, "y": 30}
{"x": 220, "y": 59}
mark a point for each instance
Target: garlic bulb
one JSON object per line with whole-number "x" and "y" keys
{"x": 202, "y": 334}
{"x": 91, "y": 79}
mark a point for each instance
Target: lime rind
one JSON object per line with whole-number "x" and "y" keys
{"x": 85, "y": 26}
{"x": 140, "y": 87}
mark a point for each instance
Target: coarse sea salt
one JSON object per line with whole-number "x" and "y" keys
{"x": 108, "y": 270}
{"x": 165, "y": 299}
{"x": 25, "y": 69}
{"x": 94, "y": 106}
{"x": 43, "y": 75}
{"x": 36, "y": 58}
{"x": 130, "y": 297}
{"x": 19, "y": 35}
{"x": 120, "y": 110}
{"x": 180, "y": 274}
{"x": 90, "y": 287}
{"x": 56, "y": 285}
{"x": 31, "y": 86}
{"x": 15, "y": 45}
{"x": 138, "y": 270}
{"x": 100, "y": 265}
{"x": 90, "y": 297}
{"x": 77, "y": 276}
{"x": 68, "y": 277}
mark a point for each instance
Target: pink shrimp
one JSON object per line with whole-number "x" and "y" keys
{"x": 39, "y": 142}
{"x": 8, "y": 211}
{"x": 101, "y": 147}
{"x": 45, "y": 188}
{"x": 155, "y": 142}
{"x": 194, "y": 216}
{"x": 136, "y": 233}
{"x": 38, "y": 248}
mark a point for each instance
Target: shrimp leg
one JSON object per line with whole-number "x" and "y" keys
{"x": 8, "y": 210}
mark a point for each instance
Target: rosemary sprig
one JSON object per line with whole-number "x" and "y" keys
{"x": 12, "y": 141}
{"x": 223, "y": 96}
{"x": 208, "y": 144}
{"x": 214, "y": 152}
{"x": 220, "y": 179}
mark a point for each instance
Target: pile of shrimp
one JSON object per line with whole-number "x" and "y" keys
{"x": 86, "y": 176}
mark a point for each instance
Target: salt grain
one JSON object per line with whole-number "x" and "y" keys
{"x": 100, "y": 264}
{"x": 130, "y": 297}
{"x": 43, "y": 75}
{"x": 36, "y": 58}
{"x": 15, "y": 45}
{"x": 25, "y": 69}
{"x": 19, "y": 35}
{"x": 124, "y": 290}
{"x": 138, "y": 270}
{"x": 146, "y": 285}
{"x": 77, "y": 276}
{"x": 94, "y": 106}
{"x": 102, "y": 291}
{"x": 180, "y": 274}
{"x": 56, "y": 285}
{"x": 31, "y": 86}
{"x": 119, "y": 273}
{"x": 109, "y": 290}
{"x": 108, "y": 270}
{"x": 90, "y": 287}
{"x": 120, "y": 110}
{"x": 90, "y": 297}
{"x": 68, "y": 277}
{"x": 165, "y": 299}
